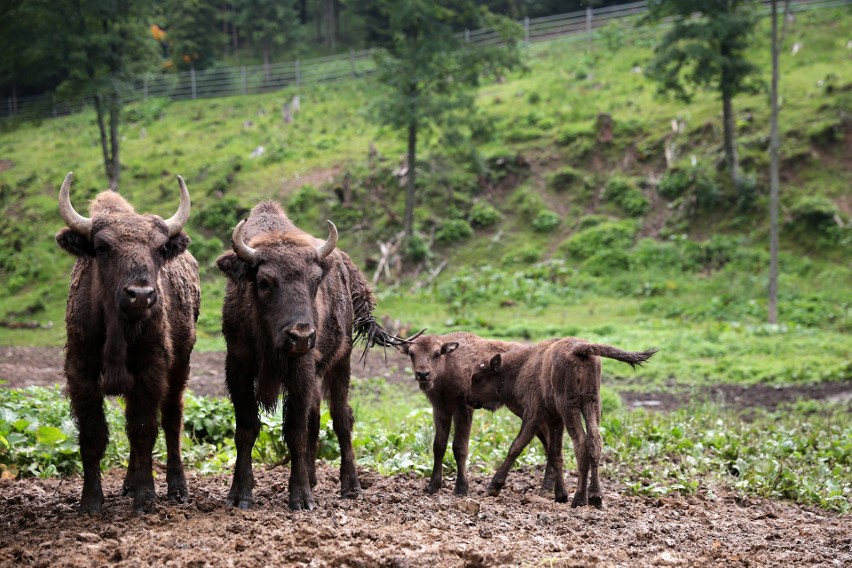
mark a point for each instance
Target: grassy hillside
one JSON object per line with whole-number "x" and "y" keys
{"x": 548, "y": 225}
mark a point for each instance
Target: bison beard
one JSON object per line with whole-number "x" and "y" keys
{"x": 291, "y": 306}
{"x": 132, "y": 305}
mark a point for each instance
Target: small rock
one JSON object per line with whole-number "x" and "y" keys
{"x": 88, "y": 537}
{"x": 469, "y": 506}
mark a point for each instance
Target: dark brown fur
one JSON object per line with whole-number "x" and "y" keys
{"x": 443, "y": 365}
{"x": 288, "y": 286}
{"x": 556, "y": 383}
{"x": 142, "y": 355}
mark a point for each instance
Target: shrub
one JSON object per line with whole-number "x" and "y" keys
{"x": 626, "y": 195}
{"x": 222, "y": 214}
{"x": 546, "y": 222}
{"x": 453, "y": 230}
{"x": 675, "y": 183}
{"x": 417, "y": 248}
{"x": 609, "y": 235}
{"x": 607, "y": 261}
{"x": 148, "y": 111}
{"x": 304, "y": 198}
{"x": 564, "y": 178}
{"x": 527, "y": 203}
{"x": 483, "y": 215}
{"x": 814, "y": 213}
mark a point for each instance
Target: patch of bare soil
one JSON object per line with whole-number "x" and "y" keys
{"x": 394, "y": 523}
{"x": 25, "y": 366}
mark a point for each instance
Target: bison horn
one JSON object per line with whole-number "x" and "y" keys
{"x": 176, "y": 222}
{"x": 415, "y": 336}
{"x": 325, "y": 249}
{"x": 243, "y": 251}
{"x": 75, "y": 221}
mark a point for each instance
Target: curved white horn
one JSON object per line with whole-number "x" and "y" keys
{"x": 243, "y": 251}
{"x": 176, "y": 222}
{"x": 75, "y": 221}
{"x": 325, "y": 249}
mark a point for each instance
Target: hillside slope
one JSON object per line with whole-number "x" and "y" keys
{"x": 580, "y": 196}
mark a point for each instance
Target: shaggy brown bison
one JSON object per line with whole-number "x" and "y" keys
{"x": 554, "y": 383}
{"x": 132, "y": 306}
{"x": 291, "y": 305}
{"x": 443, "y": 365}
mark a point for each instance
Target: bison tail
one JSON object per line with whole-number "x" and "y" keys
{"x": 632, "y": 358}
{"x": 371, "y": 332}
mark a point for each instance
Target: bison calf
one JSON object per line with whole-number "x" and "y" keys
{"x": 554, "y": 384}
{"x": 443, "y": 365}
{"x": 291, "y": 306}
{"x": 132, "y": 307}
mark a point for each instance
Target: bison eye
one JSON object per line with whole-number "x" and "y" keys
{"x": 102, "y": 249}
{"x": 264, "y": 285}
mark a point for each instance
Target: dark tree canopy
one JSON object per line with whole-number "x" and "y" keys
{"x": 704, "y": 49}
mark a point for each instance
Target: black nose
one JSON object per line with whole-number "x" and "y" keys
{"x": 141, "y": 296}
{"x": 422, "y": 375}
{"x": 302, "y": 337}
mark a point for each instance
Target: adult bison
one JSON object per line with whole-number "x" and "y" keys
{"x": 132, "y": 306}
{"x": 554, "y": 383}
{"x": 443, "y": 365}
{"x": 291, "y": 305}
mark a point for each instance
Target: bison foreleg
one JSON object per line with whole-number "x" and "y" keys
{"x": 343, "y": 421}
{"x": 443, "y": 421}
{"x": 141, "y": 426}
{"x": 529, "y": 426}
{"x": 241, "y": 389}
{"x": 171, "y": 412}
{"x": 313, "y": 442}
{"x": 461, "y": 438}
{"x": 87, "y": 406}
{"x": 299, "y": 404}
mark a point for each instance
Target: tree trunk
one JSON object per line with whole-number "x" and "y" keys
{"x": 774, "y": 182}
{"x": 731, "y": 160}
{"x": 99, "y": 111}
{"x": 412, "y": 179}
{"x": 114, "y": 112}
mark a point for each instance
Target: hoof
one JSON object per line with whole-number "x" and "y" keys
{"x": 301, "y": 501}
{"x": 350, "y": 492}
{"x": 561, "y": 497}
{"x": 494, "y": 489}
{"x": 91, "y": 507}
{"x": 143, "y": 501}
{"x": 596, "y": 501}
{"x": 461, "y": 491}
{"x": 432, "y": 488}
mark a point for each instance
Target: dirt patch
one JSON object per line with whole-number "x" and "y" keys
{"x": 393, "y": 523}
{"x": 21, "y": 367}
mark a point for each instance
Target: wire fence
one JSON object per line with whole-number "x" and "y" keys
{"x": 256, "y": 79}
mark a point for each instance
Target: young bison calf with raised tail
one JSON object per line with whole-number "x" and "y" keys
{"x": 442, "y": 366}
{"x": 554, "y": 383}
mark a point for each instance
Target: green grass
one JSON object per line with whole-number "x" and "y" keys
{"x": 802, "y": 452}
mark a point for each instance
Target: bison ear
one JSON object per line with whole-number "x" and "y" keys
{"x": 402, "y": 348}
{"x": 495, "y": 362}
{"x": 74, "y": 243}
{"x": 449, "y": 347}
{"x": 176, "y": 245}
{"x": 234, "y": 267}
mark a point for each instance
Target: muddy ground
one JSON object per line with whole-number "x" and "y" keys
{"x": 394, "y": 523}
